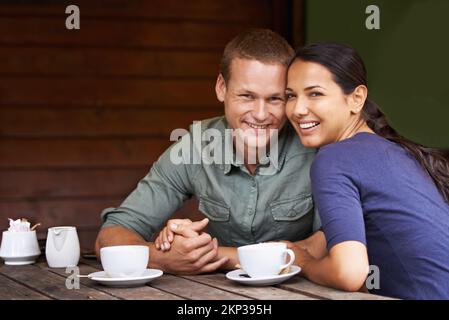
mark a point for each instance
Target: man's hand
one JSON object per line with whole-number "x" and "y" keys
{"x": 184, "y": 227}
{"x": 191, "y": 255}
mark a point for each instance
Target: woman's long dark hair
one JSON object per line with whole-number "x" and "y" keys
{"x": 349, "y": 72}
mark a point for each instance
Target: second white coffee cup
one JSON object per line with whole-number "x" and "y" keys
{"x": 265, "y": 259}
{"x": 125, "y": 261}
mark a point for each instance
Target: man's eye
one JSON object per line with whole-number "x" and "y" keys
{"x": 276, "y": 99}
{"x": 246, "y": 96}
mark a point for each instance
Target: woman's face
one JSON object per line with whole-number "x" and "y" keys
{"x": 317, "y": 107}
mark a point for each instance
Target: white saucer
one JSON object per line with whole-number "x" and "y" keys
{"x": 237, "y": 275}
{"x": 20, "y": 261}
{"x": 102, "y": 278}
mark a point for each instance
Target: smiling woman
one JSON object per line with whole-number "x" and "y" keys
{"x": 383, "y": 199}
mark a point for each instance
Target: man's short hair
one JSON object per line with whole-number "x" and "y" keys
{"x": 263, "y": 45}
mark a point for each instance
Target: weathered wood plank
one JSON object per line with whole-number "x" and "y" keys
{"x": 92, "y": 62}
{"x": 218, "y": 280}
{"x": 84, "y": 123}
{"x": 185, "y": 288}
{"x": 109, "y": 92}
{"x": 136, "y": 293}
{"x": 306, "y": 287}
{"x": 11, "y": 290}
{"x": 51, "y": 284}
{"x": 193, "y": 290}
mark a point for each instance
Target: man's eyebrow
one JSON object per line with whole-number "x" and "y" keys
{"x": 244, "y": 91}
{"x": 276, "y": 94}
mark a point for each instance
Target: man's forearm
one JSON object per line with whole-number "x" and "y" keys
{"x": 116, "y": 236}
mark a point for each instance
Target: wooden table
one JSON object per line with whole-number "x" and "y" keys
{"x": 38, "y": 281}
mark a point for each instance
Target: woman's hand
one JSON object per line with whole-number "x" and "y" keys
{"x": 302, "y": 256}
{"x": 184, "y": 227}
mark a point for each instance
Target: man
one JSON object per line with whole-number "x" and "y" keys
{"x": 254, "y": 201}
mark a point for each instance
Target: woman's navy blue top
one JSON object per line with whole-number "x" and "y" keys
{"x": 369, "y": 189}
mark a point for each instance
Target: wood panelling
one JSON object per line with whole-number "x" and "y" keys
{"x": 92, "y": 62}
{"x": 257, "y": 11}
{"x": 101, "y": 122}
{"x": 120, "y": 92}
{"x": 124, "y": 34}
{"x": 82, "y": 213}
{"x": 37, "y": 184}
{"x": 85, "y": 113}
{"x": 78, "y": 153}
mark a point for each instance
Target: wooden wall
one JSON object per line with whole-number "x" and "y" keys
{"x": 84, "y": 113}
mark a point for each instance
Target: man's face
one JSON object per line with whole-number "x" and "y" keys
{"x": 254, "y": 99}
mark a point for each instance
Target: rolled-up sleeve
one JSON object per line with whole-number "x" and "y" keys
{"x": 160, "y": 193}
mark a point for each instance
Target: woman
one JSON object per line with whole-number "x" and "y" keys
{"x": 382, "y": 199}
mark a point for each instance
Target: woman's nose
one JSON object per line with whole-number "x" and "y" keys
{"x": 300, "y": 108}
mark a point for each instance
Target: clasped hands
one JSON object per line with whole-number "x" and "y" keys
{"x": 186, "y": 249}
{"x": 191, "y": 251}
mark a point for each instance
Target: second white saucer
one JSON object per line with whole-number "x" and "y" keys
{"x": 240, "y": 276}
{"x": 102, "y": 278}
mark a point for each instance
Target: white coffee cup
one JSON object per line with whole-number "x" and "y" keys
{"x": 264, "y": 259}
{"x": 19, "y": 248}
{"x": 125, "y": 261}
{"x": 63, "y": 247}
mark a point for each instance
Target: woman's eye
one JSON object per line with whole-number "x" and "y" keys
{"x": 289, "y": 96}
{"x": 315, "y": 94}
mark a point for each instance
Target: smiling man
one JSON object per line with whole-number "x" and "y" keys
{"x": 243, "y": 202}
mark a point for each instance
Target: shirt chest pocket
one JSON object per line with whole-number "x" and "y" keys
{"x": 214, "y": 210}
{"x": 291, "y": 210}
{"x": 293, "y": 218}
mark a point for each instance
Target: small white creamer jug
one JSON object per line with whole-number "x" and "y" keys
{"x": 63, "y": 248}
